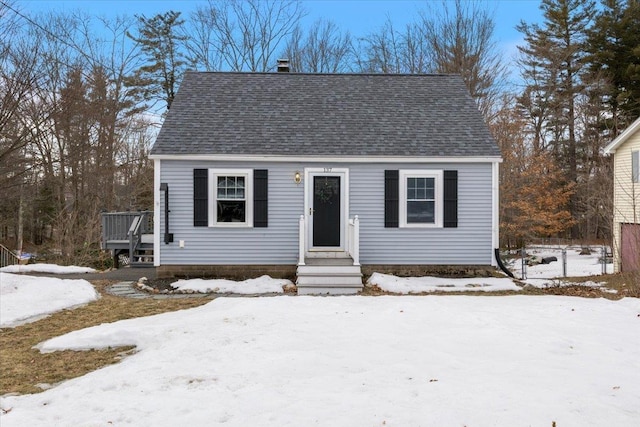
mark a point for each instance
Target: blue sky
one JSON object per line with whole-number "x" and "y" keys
{"x": 358, "y": 16}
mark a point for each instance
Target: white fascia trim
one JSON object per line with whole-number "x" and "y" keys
{"x": 495, "y": 207}
{"x": 613, "y": 146}
{"x": 325, "y": 159}
{"x": 156, "y": 212}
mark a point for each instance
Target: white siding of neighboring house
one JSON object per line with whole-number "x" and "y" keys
{"x": 626, "y": 194}
{"x": 468, "y": 244}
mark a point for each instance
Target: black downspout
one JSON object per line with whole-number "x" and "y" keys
{"x": 168, "y": 237}
{"x": 496, "y": 252}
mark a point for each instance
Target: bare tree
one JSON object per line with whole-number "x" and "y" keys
{"x": 533, "y": 196}
{"x": 242, "y": 35}
{"x": 459, "y": 38}
{"x": 202, "y": 42}
{"x": 18, "y": 77}
{"x": 323, "y": 49}
{"x": 74, "y": 121}
{"x": 455, "y": 38}
{"x": 389, "y": 50}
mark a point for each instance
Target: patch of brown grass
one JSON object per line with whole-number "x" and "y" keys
{"x": 22, "y": 367}
{"x": 627, "y": 284}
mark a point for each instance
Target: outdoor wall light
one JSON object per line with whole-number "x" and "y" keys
{"x": 297, "y": 178}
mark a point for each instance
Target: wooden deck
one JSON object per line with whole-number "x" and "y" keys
{"x": 130, "y": 234}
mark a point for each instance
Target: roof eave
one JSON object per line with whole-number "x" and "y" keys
{"x": 622, "y": 138}
{"x": 333, "y": 159}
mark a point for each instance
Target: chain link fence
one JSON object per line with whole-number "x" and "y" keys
{"x": 550, "y": 261}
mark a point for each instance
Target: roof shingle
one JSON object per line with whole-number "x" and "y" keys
{"x": 283, "y": 114}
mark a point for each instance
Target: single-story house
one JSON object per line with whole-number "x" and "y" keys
{"x": 323, "y": 177}
{"x": 626, "y": 198}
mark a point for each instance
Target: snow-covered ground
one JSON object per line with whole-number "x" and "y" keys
{"x": 357, "y": 361}
{"x": 25, "y": 299}
{"x": 413, "y": 285}
{"x": 46, "y": 268}
{"x": 261, "y": 285}
{"x": 543, "y": 275}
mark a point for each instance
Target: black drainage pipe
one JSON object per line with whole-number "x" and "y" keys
{"x": 496, "y": 253}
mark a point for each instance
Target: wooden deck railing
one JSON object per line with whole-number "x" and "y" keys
{"x": 117, "y": 225}
{"x": 135, "y": 234}
{"x": 7, "y": 257}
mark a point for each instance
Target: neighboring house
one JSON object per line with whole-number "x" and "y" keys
{"x": 626, "y": 198}
{"x": 316, "y": 175}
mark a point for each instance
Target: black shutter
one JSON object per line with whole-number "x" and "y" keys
{"x": 391, "y": 198}
{"x": 450, "y": 199}
{"x": 200, "y": 197}
{"x": 260, "y": 198}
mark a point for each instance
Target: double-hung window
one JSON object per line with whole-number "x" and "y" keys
{"x": 232, "y": 198}
{"x": 421, "y": 202}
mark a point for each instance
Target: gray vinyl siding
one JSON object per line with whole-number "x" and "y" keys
{"x": 275, "y": 244}
{"x": 468, "y": 244}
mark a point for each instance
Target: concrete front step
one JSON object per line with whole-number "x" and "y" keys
{"x": 329, "y": 270}
{"x": 329, "y": 279}
{"x": 328, "y": 290}
{"x": 326, "y": 280}
{"x": 328, "y": 261}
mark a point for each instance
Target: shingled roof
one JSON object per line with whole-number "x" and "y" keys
{"x": 280, "y": 114}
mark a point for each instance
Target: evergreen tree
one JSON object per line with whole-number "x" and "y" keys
{"x": 553, "y": 64}
{"x": 614, "y": 47}
{"x": 160, "y": 41}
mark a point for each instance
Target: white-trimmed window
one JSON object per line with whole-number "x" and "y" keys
{"x": 635, "y": 166}
{"x": 231, "y": 197}
{"x": 421, "y": 198}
